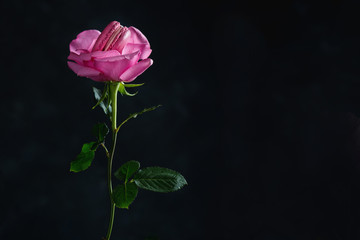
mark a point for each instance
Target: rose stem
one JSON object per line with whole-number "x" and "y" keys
{"x": 114, "y": 88}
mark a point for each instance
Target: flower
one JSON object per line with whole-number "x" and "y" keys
{"x": 117, "y": 54}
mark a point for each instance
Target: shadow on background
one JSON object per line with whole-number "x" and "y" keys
{"x": 260, "y": 113}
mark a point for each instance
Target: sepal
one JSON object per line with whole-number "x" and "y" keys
{"x": 131, "y": 85}
{"x": 123, "y": 92}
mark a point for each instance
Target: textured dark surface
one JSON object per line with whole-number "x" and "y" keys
{"x": 260, "y": 113}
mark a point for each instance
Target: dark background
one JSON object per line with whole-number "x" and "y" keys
{"x": 261, "y": 106}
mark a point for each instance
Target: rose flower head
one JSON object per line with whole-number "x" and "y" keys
{"x": 116, "y": 54}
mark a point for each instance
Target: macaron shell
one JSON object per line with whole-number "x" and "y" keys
{"x": 106, "y": 35}
{"x": 122, "y": 40}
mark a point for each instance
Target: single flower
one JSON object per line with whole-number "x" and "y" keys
{"x": 117, "y": 54}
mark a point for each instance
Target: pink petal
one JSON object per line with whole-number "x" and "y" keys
{"x": 104, "y": 54}
{"x": 137, "y": 41}
{"x": 75, "y": 57}
{"x": 143, "y": 48}
{"x": 113, "y": 67}
{"x": 134, "y": 71}
{"x": 81, "y": 58}
{"x": 82, "y": 70}
{"x": 137, "y": 37}
{"x": 84, "y": 41}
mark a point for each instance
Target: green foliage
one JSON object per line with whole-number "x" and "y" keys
{"x": 99, "y": 96}
{"x": 91, "y": 146}
{"x": 125, "y": 194}
{"x": 100, "y": 131}
{"x": 125, "y": 172}
{"x": 103, "y": 99}
{"x": 84, "y": 159}
{"x": 159, "y": 179}
{"x": 134, "y": 115}
{"x": 155, "y": 179}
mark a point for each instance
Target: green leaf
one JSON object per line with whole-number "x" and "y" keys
{"x": 134, "y": 115}
{"x": 159, "y": 179}
{"x": 123, "y": 91}
{"x": 125, "y": 194}
{"x": 84, "y": 159}
{"x": 87, "y": 147}
{"x": 100, "y": 131}
{"x": 126, "y": 170}
{"x": 101, "y": 97}
{"x": 131, "y": 85}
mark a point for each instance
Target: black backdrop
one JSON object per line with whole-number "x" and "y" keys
{"x": 260, "y": 113}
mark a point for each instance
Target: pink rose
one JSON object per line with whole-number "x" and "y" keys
{"x": 116, "y": 54}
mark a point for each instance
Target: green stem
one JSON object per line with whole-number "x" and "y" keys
{"x": 114, "y": 88}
